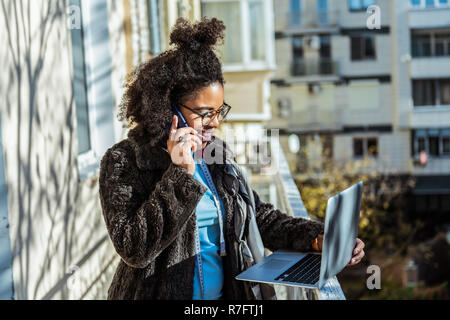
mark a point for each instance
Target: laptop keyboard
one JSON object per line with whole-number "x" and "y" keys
{"x": 306, "y": 271}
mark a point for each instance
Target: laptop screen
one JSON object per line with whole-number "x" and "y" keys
{"x": 341, "y": 230}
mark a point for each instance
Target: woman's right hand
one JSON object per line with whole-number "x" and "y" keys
{"x": 180, "y": 151}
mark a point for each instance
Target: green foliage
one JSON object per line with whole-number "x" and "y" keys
{"x": 392, "y": 291}
{"x": 384, "y": 224}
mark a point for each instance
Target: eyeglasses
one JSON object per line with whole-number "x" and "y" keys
{"x": 220, "y": 113}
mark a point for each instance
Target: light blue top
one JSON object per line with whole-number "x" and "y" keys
{"x": 209, "y": 234}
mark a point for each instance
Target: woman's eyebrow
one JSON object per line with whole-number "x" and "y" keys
{"x": 204, "y": 108}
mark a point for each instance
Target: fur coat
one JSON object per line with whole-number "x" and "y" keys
{"x": 148, "y": 205}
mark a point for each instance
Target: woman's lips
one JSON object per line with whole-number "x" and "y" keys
{"x": 206, "y": 135}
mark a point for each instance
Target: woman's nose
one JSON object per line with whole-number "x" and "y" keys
{"x": 214, "y": 122}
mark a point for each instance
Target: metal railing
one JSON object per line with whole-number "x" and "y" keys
{"x": 295, "y": 207}
{"x": 322, "y": 67}
{"x": 317, "y": 118}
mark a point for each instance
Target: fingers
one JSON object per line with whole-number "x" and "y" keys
{"x": 190, "y": 138}
{"x": 359, "y": 246}
{"x": 185, "y": 131}
{"x": 173, "y": 128}
{"x": 187, "y": 157}
{"x": 181, "y": 152}
{"x": 356, "y": 258}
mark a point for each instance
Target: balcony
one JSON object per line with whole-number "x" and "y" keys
{"x": 430, "y": 67}
{"x": 316, "y": 118}
{"x": 430, "y": 116}
{"x": 429, "y": 17}
{"x": 314, "y": 68}
{"x": 312, "y": 20}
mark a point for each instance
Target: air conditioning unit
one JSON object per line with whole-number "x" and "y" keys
{"x": 314, "y": 88}
{"x": 284, "y": 108}
{"x": 312, "y": 42}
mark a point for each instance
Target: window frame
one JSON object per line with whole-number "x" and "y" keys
{"x": 100, "y": 112}
{"x": 437, "y": 94}
{"x": 426, "y": 134}
{"x": 7, "y": 285}
{"x": 362, "y": 7}
{"x": 247, "y": 63}
{"x": 433, "y": 38}
{"x": 365, "y": 147}
{"x": 363, "y": 37}
{"x": 423, "y": 5}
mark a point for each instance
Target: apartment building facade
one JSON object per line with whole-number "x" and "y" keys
{"x": 372, "y": 96}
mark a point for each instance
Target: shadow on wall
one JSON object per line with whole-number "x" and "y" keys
{"x": 52, "y": 223}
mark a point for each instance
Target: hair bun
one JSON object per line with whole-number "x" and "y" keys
{"x": 202, "y": 35}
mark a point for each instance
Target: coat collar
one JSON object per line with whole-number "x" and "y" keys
{"x": 150, "y": 157}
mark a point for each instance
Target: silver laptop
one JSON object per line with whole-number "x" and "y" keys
{"x": 312, "y": 269}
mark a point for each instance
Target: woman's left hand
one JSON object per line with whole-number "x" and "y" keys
{"x": 358, "y": 253}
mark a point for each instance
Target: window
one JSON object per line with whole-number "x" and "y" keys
{"x": 362, "y": 47}
{"x": 92, "y": 89}
{"x": 421, "y": 45}
{"x": 431, "y": 92}
{"x": 230, "y": 14}
{"x": 372, "y": 147}
{"x": 433, "y": 146}
{"x": 6, "y": 285}
{"x": 326, "y": 64}
{"x": 154, "y": 27}
{"x": 358, "y": 148}
{"x": 247, "y": 34}
{"x": 297, "y": 54}
{"x": 435, "y": 142}
{"x": 360, "y": 5}
{"x": 325, "y": 47}
{"x": 80, "y": 88}
{"x": 429, "y": 3}
{"x": 322, "y": 11}
{"x": 444, "y": 89}
{"x": 421, "y": 144}
{"x": 295, "y": 16}
{"x": 297, "y": 46}
{"x": 424, "y": 93}
{"x": 430, "y": 44}
{"x": 257, "y": 38}
{"x": 363, "y": 147}
{"x": 446, "y": 145}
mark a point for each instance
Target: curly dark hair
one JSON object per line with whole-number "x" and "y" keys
{"x": 171, "y": 77}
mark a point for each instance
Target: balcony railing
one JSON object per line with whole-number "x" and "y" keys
{"x": 312, "y": 18}
{"x": 323, "y": 67}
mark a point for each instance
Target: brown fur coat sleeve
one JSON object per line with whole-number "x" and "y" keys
{"x": 280, "y": 231}
{"x": 142, "y": 225}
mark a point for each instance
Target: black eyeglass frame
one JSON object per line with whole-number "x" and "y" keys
{"x": 212, "y": 114}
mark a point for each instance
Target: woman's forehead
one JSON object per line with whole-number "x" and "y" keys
{"x": 209, "y": 97}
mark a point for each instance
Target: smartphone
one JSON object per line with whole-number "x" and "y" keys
{"x": 181, "y": 121}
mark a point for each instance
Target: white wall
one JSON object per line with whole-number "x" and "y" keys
{"x": 381, "y": 65}
{"x": 56, "y": 223}
{"x": 393, "y": 152}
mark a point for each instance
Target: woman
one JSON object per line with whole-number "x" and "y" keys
{"x": 171, "y": 219}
